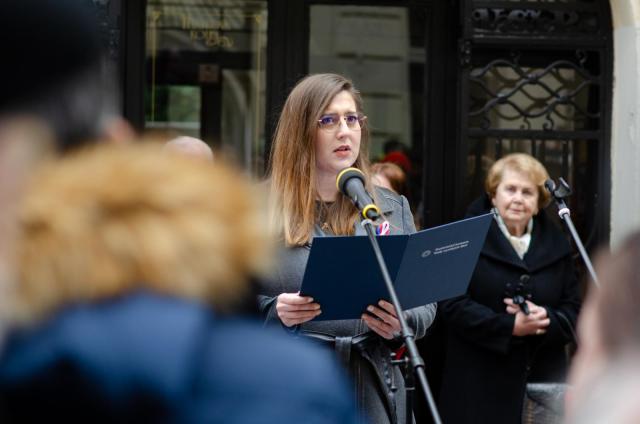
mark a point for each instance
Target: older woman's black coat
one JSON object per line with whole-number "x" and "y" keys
{"x": 486, "y": 368}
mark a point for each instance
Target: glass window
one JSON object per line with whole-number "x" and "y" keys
{"x": 205, "y": 74}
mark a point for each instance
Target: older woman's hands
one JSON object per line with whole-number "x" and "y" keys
{"x": 535, "y": 323}
{"x": 294, "y": 309}
{"x": 383, "y": 320}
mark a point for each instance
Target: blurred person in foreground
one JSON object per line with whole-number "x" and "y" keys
{"x": 189, "y": 146}
{"x": 321, "y": 131}
{"x": 131, "y": 265}
{"x": 57, "y": 94}
{"x": 605, "y": 375}
{"x": 494, "y": 346}
{"x": 612, "y": 397}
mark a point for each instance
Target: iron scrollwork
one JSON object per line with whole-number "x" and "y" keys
{"x": 537, "y": 98}
{"x": 534, "y": 21}
{"x": 536, "y": 79}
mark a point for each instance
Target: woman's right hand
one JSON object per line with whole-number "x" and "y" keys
{"x": 534, "y": 324}
{"x": 294, "y": 309}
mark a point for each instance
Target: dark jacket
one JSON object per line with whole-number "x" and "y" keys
{"x": 486, "y": 368}
{"x": 148, "y": 358}
{"x": 369, "y": 364}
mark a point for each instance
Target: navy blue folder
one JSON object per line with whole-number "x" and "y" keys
{"x": 343, "y": 276}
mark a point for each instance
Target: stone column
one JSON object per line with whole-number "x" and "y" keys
{"x": 625, "y": 142}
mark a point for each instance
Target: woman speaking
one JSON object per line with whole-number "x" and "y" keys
{"x": 321, "y": 131}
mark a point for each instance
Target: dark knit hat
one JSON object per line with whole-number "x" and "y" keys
{"x": 45, "y": 43}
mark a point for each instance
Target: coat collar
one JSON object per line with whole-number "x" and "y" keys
{"x": 548, "y": 243}
{"x": 385, "y": 199}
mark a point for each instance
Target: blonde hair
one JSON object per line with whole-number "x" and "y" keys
{"x": 525, "y": 164}
{"x": 293, "y": 161}
{"x": 112, "y": 219}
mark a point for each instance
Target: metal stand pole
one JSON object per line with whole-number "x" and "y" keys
{"x": 417, "y": 362}
{"x": 559, "y": 194}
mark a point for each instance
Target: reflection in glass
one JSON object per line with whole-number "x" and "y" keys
{"x": 205, "y": 74}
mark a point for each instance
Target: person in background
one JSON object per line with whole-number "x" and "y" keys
{"x": 604, "y": 374}
{"x": 390, "y": 176}
{"x": 321, "y": 131}
{"x": 519, "y": 312}
{"x": 131, "y": 269}
{"x": 396, "y": 152}
{"x": 190, "y": 146}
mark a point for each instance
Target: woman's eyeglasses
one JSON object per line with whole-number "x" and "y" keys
{"x": 331, "y": 121}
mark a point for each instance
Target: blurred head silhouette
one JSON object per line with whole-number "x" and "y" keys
{"x": 56, "y": 72}
{"x": 58, "y": 93}
{"x": 609, "y": 329}
{"x": 189, "y": 146}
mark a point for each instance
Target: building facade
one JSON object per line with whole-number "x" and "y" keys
{"x": 454, "y": 84}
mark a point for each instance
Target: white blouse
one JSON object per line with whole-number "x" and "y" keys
{"x": 520, "y": 244}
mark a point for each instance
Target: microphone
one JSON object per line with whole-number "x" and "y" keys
{"x": 550, "y": 185}
{"x": 559, "y": 192}
{"x": 350, "y": 182}
{"x": 519, "y": 293}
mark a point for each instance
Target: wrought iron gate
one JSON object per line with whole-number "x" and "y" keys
{"x": 535, "y": 77}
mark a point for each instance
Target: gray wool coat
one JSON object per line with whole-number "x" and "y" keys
{"x": 368, "y": 365}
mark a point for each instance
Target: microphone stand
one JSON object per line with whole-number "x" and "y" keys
{"x": 559, "y": 194}
{"x": 414, "y": 357}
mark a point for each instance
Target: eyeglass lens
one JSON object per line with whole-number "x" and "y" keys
{"x": 332, "y": 120}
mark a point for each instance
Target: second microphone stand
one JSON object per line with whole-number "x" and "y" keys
{"x": 417, "y": 363}
{"x": 559, "y": 194}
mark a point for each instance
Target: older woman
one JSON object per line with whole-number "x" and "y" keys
{"x": 493, "y": 345}
{"x": 320, "y": 132}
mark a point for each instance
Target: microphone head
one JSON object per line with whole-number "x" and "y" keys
{"x": 550, "y": 185}
{"x": 345, "y": 175}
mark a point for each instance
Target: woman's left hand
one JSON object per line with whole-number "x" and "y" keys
{"x": 383, "y": 320}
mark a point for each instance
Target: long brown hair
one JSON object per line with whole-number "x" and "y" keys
{"x": 293, "y": 161}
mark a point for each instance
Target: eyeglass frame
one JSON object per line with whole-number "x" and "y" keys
{"x": 361, "y": 119}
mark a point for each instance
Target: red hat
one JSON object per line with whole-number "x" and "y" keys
{"x": 399, "y": 159}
